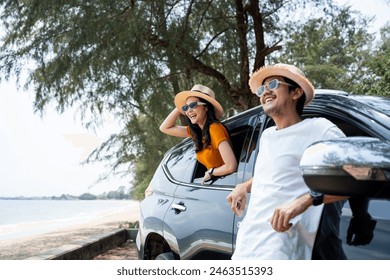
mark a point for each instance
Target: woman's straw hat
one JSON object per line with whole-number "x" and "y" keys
{"x": 201, "y": 92}
{"x": 285, "y": 70}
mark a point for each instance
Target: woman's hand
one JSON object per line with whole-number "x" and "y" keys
{"x": 207, "y": 176}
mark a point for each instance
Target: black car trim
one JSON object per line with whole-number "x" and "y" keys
{"x": 352, "y": 106}
{"x": 348, "y": 117}
{"x": 174, "y": 181}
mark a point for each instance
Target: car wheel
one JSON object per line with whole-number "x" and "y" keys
{"x": 166, "y": 256}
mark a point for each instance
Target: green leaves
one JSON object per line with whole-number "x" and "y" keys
{"x": 334, "y": 50}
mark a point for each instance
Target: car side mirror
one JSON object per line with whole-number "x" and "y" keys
{"x": 352, "y": 166}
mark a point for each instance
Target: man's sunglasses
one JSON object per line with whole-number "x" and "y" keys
{"x": 272, "y": 85}
{"x": 192, "y": 105}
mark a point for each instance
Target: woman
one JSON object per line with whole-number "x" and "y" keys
{"x": 211, "y": 139}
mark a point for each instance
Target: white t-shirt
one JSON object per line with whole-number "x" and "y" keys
{"x": 276, "y": 181}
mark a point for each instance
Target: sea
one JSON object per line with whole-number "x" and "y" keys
{"x": 26, "y": 218}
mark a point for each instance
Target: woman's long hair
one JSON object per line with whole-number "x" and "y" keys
{"x": 201, "y": 137}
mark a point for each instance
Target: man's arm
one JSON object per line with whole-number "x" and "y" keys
{"x": 280, "y": 220}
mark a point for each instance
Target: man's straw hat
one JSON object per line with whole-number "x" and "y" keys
{"x": 285, "y": 70}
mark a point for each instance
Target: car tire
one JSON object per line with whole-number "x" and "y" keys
{"x": 166, "y": 256}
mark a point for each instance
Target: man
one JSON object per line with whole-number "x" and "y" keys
{"x": 283, "y": 216}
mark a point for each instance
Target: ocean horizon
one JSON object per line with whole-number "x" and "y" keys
{"x": 26, "y": 218}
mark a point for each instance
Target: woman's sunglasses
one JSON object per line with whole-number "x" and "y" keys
{"x": 272, "y": 85}
{"x": 192, "y": 105}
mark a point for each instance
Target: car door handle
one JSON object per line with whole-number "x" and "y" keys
{"x": 178, "y": 207}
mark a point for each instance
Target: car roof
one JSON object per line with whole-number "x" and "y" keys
{"x": 371, "y": 107}
{"x": 377, "y": 103}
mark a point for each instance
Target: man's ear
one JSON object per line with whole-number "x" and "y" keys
{"x": 297, "y": 93}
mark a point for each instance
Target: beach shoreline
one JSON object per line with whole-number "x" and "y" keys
{"x": 27, "y": 247}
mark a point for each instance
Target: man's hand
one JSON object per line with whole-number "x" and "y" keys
{"x": 237, "y": 198}
{"x": 280, "y": 220}
{"x": 361, "y": 230}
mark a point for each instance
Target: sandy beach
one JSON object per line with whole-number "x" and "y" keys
{"x": 22, "y": 248}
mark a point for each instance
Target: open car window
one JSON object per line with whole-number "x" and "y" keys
{"x": 240, "y": 139}
{"x": 182, "y": 166}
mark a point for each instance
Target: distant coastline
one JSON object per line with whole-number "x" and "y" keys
{"x": 119, "y": 194}
{"x": 86, "y": 196}
{"x": 62, "y": 197}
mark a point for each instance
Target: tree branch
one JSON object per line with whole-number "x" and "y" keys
{"x": 209, "y": 43}
{"x": 242, "y": 32}
{"x": 196, "y": 64}
{"x": 253, "y": 10}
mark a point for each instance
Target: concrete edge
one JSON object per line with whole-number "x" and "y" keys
{"x": 88, "y": 248}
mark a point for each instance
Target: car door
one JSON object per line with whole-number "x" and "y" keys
{"x": 379, "y": 247}
{"x": 161, "y": 190}
{"x": 357, "y": 119}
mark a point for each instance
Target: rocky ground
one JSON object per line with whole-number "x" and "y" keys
{"x": 127, "y": 251}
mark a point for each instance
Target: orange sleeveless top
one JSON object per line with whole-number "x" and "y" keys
{"x": 210, "y": 156}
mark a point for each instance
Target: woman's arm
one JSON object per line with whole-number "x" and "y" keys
{"x": 228, "y": 158}
{"x": 169, "y": 126}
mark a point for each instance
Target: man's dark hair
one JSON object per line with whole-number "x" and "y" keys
{"x": 301, "y": 100}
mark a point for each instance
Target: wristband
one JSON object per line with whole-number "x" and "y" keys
{"x": 318, "y": 198}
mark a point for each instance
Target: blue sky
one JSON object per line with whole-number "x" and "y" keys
{"x": 42, "y": 156}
